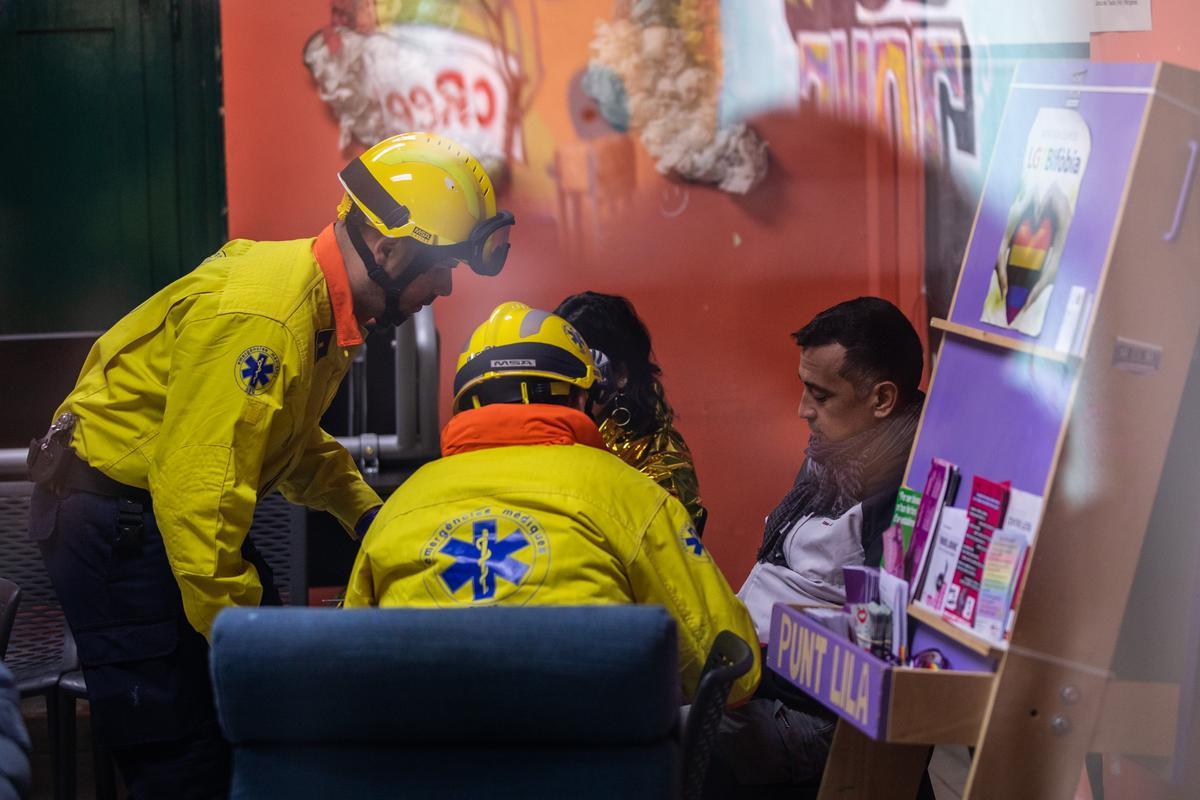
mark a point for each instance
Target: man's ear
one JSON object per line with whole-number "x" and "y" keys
{"x": 884, "y": 399}
{"x": 381, "y": 246}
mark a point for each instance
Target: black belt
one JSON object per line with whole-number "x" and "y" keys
{"x": 82, "y": 477}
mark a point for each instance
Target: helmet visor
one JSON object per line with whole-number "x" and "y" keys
{"x": 484, "y": 251}
{"x": 489, "y": 244}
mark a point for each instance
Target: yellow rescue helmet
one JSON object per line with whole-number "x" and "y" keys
{"x": 420, "y": 185}
{"x": 431, "y": 189}
{"x": 519, "y": 341}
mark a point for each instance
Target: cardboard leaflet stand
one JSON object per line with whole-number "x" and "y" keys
{"x": 1044, "y": 433}
{"x": 810, "y": 648}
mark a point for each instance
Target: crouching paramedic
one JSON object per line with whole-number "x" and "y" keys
{"x": 527, "y": 507}
{"x": 207, "y": 397}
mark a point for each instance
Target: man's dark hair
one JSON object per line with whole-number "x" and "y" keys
{"x": 880, "y": 342}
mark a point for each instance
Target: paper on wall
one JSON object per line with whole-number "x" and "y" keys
{"x": 1121, "y": 15}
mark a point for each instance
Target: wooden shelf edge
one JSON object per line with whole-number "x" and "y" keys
{"x": 1000, "y": 340}
{"x": 949, "y": 706}
{"x": 967, "y": 639}
{"x": 937, "y": 706}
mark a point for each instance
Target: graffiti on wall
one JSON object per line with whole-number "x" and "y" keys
{"x": 903, "y": 66}
{"x": 382, "y": 69}
{"x": 654, "y": 71}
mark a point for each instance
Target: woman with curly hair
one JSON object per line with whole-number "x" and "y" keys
{"x": 635, "y": 420}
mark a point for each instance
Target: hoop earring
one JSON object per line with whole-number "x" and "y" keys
{"x": 621, "y": 415}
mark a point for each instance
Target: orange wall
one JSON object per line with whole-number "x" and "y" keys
{"x": 281, "y": 143}
{"x": 720, "y": 285}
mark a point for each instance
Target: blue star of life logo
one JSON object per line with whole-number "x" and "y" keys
{"x": 575, "y": 337}
{"x": 256, "y": 368}
{"x": 690, "y": 540}
{"x": 485, "y": 557}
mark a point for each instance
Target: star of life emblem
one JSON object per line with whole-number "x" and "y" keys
{"x": 488, "y": 556}
{"x": 256, "y": 368}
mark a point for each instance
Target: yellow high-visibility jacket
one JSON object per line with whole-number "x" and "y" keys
{"x": 529, "y": 508}
{"x": 210, "y": 394}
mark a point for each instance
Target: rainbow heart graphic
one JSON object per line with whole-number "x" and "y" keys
{"x": 1027, "y": 254}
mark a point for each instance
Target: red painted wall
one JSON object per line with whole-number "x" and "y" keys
{"x": 720, "y": 285}
{"x": 1175, "y": 37}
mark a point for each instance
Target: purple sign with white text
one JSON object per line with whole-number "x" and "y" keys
{"x": 840, "y": 675}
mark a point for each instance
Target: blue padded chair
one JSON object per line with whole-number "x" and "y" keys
{"x": 16, "y": 776}
{"x": 10, "y": 599}
{"x": 579, "y": 702}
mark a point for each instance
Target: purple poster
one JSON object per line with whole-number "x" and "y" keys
{"x": 1033, "y": 269}
{"x": 1051, "y": 200}
{"x": 993, "y": 412}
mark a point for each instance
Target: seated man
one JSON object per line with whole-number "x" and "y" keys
{"x": 528, "y": 507}
{"x": 860, "y": 363}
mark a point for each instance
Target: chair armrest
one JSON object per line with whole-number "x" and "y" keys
{"x": 729, "y": 659}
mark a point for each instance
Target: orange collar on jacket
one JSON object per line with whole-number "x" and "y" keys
{"x": 333, "y": 266}
{"x": 510, "y": 425}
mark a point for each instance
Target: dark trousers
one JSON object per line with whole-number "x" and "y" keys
{"x": 146, "y": 667}
{"x": 776, "y": 745}
{"x": 766, "y": 745}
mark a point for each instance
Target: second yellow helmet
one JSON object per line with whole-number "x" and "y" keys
{"x": 518, "y": 341}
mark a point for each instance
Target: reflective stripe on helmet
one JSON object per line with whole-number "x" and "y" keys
{"x": 371, "y": 195}
{"x": 533, "y": 359}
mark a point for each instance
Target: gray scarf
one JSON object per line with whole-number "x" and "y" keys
{"x": 836, "y": 476}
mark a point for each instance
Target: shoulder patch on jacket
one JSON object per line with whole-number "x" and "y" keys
{"x": 690, "y": 540}
{"x": 256, "y": 369}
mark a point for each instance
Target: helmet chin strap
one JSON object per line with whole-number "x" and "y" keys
{"x": 393, "y": 287}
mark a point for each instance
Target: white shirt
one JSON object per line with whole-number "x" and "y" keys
{"x": 815, "y": 549}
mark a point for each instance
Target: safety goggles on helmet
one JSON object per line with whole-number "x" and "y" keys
{"x": 484, "y": 250}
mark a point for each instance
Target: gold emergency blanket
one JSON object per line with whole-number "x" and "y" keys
{"x": 664, "y": 457}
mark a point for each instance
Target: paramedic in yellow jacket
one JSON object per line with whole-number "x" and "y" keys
{"x": 528, "y": 507}
{"x": 207, "y": 397}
